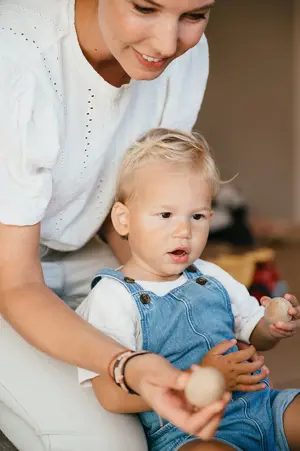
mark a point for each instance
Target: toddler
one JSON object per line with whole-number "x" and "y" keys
{"x": 168, "y": 301}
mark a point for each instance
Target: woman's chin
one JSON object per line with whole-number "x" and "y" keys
{"x": 136, "y": 71}
{"x": 144, "y": 75}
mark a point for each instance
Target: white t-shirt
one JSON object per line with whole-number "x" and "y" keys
{"x": 110, "y": 308}
{"x": 63, "y": 128}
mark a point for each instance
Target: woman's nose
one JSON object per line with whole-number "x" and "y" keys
{"x": 166, "y": 38}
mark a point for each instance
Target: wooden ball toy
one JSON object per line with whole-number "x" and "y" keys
{"x": 205, "y": 386}
{"x": 277, "y": 310}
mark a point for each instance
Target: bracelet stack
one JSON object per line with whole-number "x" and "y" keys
{"x": 116, "y": 368}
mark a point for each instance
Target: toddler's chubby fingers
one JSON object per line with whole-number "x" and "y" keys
{"x": 281, "y": 333}
{"x": 249, "y": 367}
{"x": 242, "y": 355}
{"x": 285, "y": 334}
{"x": 265, "y": 300}
{"x": 253, "y": 379}
{"x": 295, "y": 312}
{"x": 286, "y": 327}
{"x": 292, "y": 299}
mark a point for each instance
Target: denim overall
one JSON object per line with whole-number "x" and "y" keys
{"x": 183, "y": 326}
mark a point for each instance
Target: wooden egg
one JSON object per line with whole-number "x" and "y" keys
{"x": 277, "y": 310}
{"x": 205, "y": 386}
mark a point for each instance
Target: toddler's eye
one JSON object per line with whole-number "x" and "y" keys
{"x": 165, "y": 215}
{"x": 198, "y": 216}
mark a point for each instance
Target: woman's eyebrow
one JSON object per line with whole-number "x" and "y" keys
{"x": 201, "y": 8}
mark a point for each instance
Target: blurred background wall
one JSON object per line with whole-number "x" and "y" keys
{"x": 250, "y": 111}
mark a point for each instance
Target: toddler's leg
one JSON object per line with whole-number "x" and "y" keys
{"x": 291, "y": 424}
{"x": 199, "y": 445}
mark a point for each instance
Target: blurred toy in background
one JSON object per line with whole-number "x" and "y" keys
{"x": 235, "y": 249}
{"x": 230, "y": 221}
{"x": 267, "y": 281}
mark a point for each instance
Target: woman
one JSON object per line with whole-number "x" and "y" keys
{"x": 81, "y": 80}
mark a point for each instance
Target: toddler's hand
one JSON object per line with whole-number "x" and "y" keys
{"x": 280, "y": 329}
{"x": 235, "y": 368}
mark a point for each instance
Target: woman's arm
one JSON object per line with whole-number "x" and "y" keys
{"x": 37, "y": 313}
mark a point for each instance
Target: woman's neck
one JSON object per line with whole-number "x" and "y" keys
{"x": 93, "y": 46}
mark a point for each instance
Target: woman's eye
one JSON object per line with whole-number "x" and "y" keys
{"x": 196, "y": 17}
{"x": 165, "y": 215}
{"x": 197, "y": 216}
{"x": 142, "y": 9}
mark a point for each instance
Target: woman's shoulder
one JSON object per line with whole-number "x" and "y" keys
{"x": 54, "y": 12}
{"x": 32, "y": 26}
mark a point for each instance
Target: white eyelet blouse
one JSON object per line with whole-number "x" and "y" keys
{"x": 63, "y": 128}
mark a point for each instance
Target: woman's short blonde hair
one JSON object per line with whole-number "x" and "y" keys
{"x": 188, "y": 150}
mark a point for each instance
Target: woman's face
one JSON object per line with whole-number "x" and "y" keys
{"x": 144, "y": 36}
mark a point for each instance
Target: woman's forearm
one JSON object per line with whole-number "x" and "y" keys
{"x": 39, "y": 316}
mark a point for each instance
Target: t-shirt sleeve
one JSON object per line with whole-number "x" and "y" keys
{"x": 187, "y": 84}
{"x": 110, "y": 308}
{"x": 246, "y": 309}
{"x": 29, "y": 143}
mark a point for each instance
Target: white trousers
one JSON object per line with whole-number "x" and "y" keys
{"x": 42, "y": 406}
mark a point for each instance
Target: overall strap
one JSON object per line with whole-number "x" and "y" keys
{"x": 192, "y": 272}
{"x": 129, "y": 283}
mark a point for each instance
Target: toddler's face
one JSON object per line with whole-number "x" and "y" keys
{"x": 169, "y": 219}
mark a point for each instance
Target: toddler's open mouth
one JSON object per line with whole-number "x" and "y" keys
{"x": 179, "y": 252}
{"x": 179, "y": 255}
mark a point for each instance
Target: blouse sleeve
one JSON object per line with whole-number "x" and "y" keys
{"x": 111, "y": 309}
{"x": 187, "y": 84}
{"x": 29, "y": 144}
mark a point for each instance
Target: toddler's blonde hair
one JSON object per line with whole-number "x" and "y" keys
{"x": 189, "y": 150}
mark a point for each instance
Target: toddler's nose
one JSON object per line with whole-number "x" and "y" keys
{"x": 184, "y": 230}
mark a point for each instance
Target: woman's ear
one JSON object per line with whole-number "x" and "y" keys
{"x": 120, "y": 219}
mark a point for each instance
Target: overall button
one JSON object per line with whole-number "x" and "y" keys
{"x": 191, "y": 268}
{"x": 129, "y": 280}
{"x": 145, "y": 298}
{"x": 201, "y": 280}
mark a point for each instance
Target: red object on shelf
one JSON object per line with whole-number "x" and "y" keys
{"x": 265, "y": 280}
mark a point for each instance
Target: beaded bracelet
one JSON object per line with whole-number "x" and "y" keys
{"x": 120, "y": 362}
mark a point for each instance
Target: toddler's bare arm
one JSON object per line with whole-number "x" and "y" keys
{"x": 261, "y": 337}
{"x": 116, "y": 400}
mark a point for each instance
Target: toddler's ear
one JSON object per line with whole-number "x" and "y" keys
{"x": 120, "y": 218}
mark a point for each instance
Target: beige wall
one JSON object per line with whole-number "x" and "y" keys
{"x": 296, "y": 98}
{"x": 247, "y": 114}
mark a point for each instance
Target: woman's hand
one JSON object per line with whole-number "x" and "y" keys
{"x": 236, "y": 367}
{"x": 161, "y": 385}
